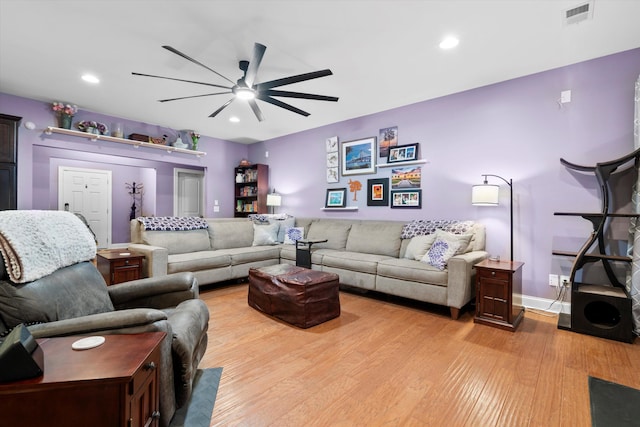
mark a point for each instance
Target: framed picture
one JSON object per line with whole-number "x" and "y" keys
{"x": 332, "y": 175}
{"x": 378, "y": 192}
{"x": 336, "y": 198}
{"x": 406, "y": 199}
{"x": 359, "y": 157}
{"x": 387, "y": 138}
{"x": 331, "y": 144}
{"x": 332, "y": 160}
{"x": 403, "y": 153}
{"x": 406, "y": 177}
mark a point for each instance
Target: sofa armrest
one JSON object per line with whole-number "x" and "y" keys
{"x": 461, "y": 285}
{"x": 156, "y": 259}
{"x": 141, "y": 319}
{"x": 155, "y": 292}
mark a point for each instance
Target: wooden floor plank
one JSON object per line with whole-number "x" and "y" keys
{"x": 391, "y": 362}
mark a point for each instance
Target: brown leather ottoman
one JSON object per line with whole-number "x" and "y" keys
{"x": 296, "y": 295}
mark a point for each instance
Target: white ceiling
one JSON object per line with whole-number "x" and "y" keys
{"x": 383, "y": 54}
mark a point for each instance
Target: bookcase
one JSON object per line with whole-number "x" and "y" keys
{"x": 251, "y": 189}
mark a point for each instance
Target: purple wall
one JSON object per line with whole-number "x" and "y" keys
{"x": 39, "y": 156}
{"x": 515, "y": 129}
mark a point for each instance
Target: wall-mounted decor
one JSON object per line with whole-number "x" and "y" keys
{"x": 388, "y": 138}
{"x": 403, "y": 153}
{"x": 358, "y": 157}
{"x": 332, "y": 175}
{"x": 406, "y": 199}
{"x": 332, "y": 160}
{"x": 378, "y": 192}
{"x": 331, "y": 144}
{"x": 336, "y": 198}
{"x": 354, "y": 187}
{"x": 406, "y": 177}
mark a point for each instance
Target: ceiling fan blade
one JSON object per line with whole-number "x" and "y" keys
{"x": 256, "y": 109}
{"x": 225, "y": 105}
{"x": 288, "y": 94}
{"x": 181, "y": 80}
{"x": 252, "y": 71}
{"x": 188, "y": 58}
{"x": 293, "y": 79}
{"x": 281, "y": 104}
{"x": 194, "y": 96}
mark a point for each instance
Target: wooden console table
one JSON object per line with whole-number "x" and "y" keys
{"x": 113, "y": 385}
{"x": 499, "y": 294}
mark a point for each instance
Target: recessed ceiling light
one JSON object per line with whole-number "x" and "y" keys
{"x": 89, "y": 78}
{"x": 234, "y": 119}
{"x": 449, "y": 42}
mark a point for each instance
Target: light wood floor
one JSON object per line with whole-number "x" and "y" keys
{"x": 392, "y": 364}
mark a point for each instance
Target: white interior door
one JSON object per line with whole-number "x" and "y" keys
{"x": 87, "y": 192}
{"x": 188, "y": 195}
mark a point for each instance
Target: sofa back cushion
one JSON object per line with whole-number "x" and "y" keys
{"x": 335, "y": 231}
{"x": 230, "y": 233}
{"x": 178, "y": 242}
{"x": 70, "y": 292}
{"x": 375, "y": 237}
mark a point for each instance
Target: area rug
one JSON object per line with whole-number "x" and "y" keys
{"x": 197, "y": 411}
{"x": 613, "y": 405}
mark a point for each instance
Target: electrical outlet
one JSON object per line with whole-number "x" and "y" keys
{"x": 553, "y": 280}
{"x": 564, "y": 280}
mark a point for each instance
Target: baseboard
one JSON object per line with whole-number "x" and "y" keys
{"x": 546, "y": 304}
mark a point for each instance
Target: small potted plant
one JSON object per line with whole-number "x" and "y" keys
{"x": 65, "y": 113}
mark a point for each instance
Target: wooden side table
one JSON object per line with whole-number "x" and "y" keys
{"x": 113, "y": 385}
{"x": 119, "y": 265}
{"x": 499, "y": 294}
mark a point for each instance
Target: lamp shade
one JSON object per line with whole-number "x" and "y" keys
{"x": 274, "y": 199}
{"x": 485, "y": 195}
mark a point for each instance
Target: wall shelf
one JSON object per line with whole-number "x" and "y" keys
{"x": 348, "y": 208}
{"x": 93, "y": 137}
{"x": 402, "y": 164}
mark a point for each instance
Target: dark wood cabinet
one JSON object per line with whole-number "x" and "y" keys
{"x": 9, "y": 161}
{"x": 119, "y": 265}
{"x": 499, "y": 294}
{"x": 113, "y": 385}
{"x": 251, "y": 189}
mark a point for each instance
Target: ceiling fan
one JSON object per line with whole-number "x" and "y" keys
{"x": 246, "y": 89}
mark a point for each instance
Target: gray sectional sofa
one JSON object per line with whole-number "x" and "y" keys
{"x": 391, "y": 257}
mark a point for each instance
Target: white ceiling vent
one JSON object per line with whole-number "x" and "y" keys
{"x": 578, "y": 13}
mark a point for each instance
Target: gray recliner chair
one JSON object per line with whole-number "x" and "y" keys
{"x": 75, "y": 300}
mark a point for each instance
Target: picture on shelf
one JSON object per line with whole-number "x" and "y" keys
{"x": 403, "y": 153}
{"x": 388, "y": 138}
{"x": 406, "y": 177}
{"x": 336, "y": 198}
{"x": 378, "y": 192}
{"x": 358, "y": 157}
{"x": 406, "y": 199}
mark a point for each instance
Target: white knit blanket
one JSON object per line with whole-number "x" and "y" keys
{"x": 36, "y": 243}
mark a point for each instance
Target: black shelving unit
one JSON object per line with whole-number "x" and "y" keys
{"x": 604, "y": 309}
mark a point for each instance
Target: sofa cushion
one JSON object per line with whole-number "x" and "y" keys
{"x": 335, "y": 231}
{"x": 231, "y": 234}
{"x": 178, "y": 242}
{"x": 422, "y": 227}
{"x": 265, "y": 234}
{"x": 418, "y": 246}
{"x": 413, "y": 271}
{"x": 440, "y": 252}
{"x": 292, "y": 234}
{"x": 194, "y": 261}
{"x": 463, "y": 240}
{"x": 73, "y": 291}
{"x": 253, "y": 254}
{"x": 375, "y": 237}
{"x": 355, "y": 261}
{"x": 283, "y": 224}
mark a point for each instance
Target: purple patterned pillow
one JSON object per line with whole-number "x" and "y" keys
{"x": 439, "y": 253}
{"x": 172, "y": 223}
{"x": 423, "y": 227}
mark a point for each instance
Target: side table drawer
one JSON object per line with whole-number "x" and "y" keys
{"x": 148, "y": 368}
{"x": 133, "y": 262}
{"x": 493, "y": 274}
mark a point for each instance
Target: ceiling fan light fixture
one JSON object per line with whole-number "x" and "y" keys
{"x": 449, "y": 42}
{"x": 244, "y": 93}
{"x": 234, "y": 119}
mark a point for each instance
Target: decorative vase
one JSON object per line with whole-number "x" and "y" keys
{"x": 91, "y": 130}
{"x": 65, "y": 121}
{"x": 194, "y": 146}
{"x": 239, "y": 178}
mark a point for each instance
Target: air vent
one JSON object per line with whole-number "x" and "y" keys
{"x": 578, "y": 13}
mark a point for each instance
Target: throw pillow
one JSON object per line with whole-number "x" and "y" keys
{"x": 284, "y": 225}
{"x": 265, "y": 234}
{"x": 418, "y": 246}
{"x": 462, "y": 239}
{"x": 292, "y": 234}
{"x": 439, "y": 253}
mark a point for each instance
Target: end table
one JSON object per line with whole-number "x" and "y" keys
{"x": 303, "y": 251}
{"x": 499, "y": 294}
{"x": 119, "y": 265}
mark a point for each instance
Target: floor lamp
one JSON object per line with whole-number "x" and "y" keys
{"x": 487, "y": 194}
{"x": 273, "y": 200}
